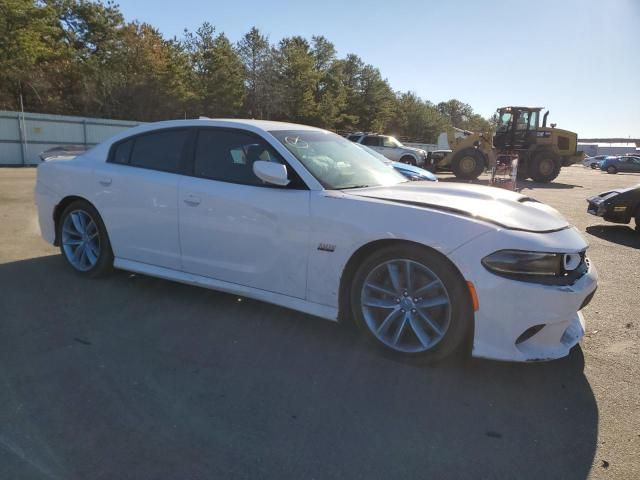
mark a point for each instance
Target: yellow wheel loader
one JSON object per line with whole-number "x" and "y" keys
{"x": 542, "y": 151}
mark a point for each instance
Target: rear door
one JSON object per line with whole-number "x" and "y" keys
{"x": 235, "y": 228}
{"x": 624, "y": 164}
{"x": 138, "y": 196}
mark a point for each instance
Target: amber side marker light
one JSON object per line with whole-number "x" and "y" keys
{"x": 474, "y": 296}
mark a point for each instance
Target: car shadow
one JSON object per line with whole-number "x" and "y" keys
{"x": 521, "y": 184}
{"x": 620, "y": 234}
{"x": 530, "y": 184}
{"x": 137, "y": 377}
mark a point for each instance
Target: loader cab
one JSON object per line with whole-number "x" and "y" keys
{"x": 516, "y": 128}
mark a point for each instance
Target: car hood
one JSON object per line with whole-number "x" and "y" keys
{"x": 417, "y": 171}
{"x": 413, "y": 149}
{"x": 494, "y": 205}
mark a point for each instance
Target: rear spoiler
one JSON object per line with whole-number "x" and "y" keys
{"x": 63, "y": 152}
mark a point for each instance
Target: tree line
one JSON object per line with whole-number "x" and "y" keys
{"x": 80, "y": 57}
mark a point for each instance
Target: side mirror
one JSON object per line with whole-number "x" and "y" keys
{"x": 271, "y": 172}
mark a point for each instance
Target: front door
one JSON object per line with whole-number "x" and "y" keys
{"x": 235, "y": 228}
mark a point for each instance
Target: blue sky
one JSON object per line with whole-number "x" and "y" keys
{"x": 578, "y": 58}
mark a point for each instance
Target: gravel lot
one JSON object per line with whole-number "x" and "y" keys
{"x": 135, "y": 377}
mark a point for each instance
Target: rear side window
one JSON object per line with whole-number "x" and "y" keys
{"x": 353, "y": 138}
{"x": 372, "y": 141}
{"x": 122, "y": 152}
{"x": 160, "y": 151}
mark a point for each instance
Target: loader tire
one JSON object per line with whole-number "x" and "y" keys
{"x": 468, "y": 164}
{"x": 545, "y": 166}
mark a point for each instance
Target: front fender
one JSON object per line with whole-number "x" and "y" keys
{"x": 339, "y": 229}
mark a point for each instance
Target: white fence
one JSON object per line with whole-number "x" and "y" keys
{"x": 24, "y": 136}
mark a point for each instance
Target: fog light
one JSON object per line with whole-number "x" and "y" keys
{"x": 528, "y": 333}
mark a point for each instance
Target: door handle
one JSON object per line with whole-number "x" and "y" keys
{"x": 192, "y": 200}
{"x": 106, "y": 181}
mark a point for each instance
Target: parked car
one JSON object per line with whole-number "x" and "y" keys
{"x": 391, "y": 148}
{"x": 617, "y": 206}
{"x": 301, "y": 217}
{"x": 593, "y": 162}
{"x": 410, "y": 171}
{"x": 624, "y": 163}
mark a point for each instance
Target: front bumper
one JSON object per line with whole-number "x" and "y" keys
{"x": 524, "y": 321}
{"x": 611, "y": 212}
{"x": 557, "y": 308}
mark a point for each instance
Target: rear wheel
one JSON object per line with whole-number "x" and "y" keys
{"x": 468, "y": 164}
{"x": 411, "y": 301}
{"x": 84, "y": 243}
{"x": 594, "y": 166}
{"x": 545, "y": 166}
{"x": 638, "y": 220}
{"x": 611, "y": 169}
{"x": 408, "y": 159}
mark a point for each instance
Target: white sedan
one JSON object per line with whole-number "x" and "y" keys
{"x": 303, "y": 218}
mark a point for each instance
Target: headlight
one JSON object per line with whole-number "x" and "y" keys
{"x": 518, "y": 262}
{"x": 556, "y": 268}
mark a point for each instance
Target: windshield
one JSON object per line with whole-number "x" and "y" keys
{"x": 371, "y": 151}
{"x": 336, "y": 162}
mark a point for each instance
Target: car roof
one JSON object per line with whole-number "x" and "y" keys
{"x": 256, "y": 126}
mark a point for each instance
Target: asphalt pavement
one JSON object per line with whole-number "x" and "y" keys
{"x": 132, "y": 377}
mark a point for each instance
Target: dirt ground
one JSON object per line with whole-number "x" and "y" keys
{"x": 135, "y": 377}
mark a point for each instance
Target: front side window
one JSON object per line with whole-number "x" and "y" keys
{"x": 228, "y": 156}
{"x": 161, "y": 150}
{"x": 504, "y": 123}
{"x": 523, "y": 121}
{"x": 335, "y": 161}
{"x": 533, "y": 121}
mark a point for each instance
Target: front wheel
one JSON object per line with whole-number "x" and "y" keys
{"x": 408, "y": 159}
{"x": 468, "y": 164}
{"x": 594, "y": 166}
{"x": 84, "y": 243}
{"x": 411, "y": 301}
{"x": 611, "y": 169}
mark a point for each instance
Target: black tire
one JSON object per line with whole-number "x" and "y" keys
{"x": 612, "y": 170}
{"x": 104, "y": 262}
{"x": 638, "y": 220}
{"x": 468, "y": 164}
{"x": 460, "y": 324}
{"x": 594, "y": 166}
{"x": 408, "y": 159}
{"x": 545, "y": 166}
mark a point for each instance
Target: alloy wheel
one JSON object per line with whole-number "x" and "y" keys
{"x": 81, "y": 240}
{"x": 406, "y": 306}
